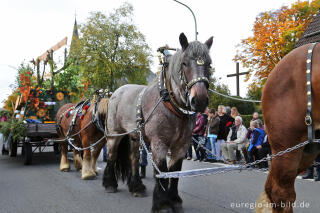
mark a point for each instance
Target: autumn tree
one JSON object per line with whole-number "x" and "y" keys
{"x": 70, "y": 79}
{"x": 274, "y": 35}
{"x": 112, "y": 50}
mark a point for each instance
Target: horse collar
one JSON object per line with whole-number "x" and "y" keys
{"x": 308, "y": 118}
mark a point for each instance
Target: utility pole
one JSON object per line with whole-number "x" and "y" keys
{"x": 194, "y": 17}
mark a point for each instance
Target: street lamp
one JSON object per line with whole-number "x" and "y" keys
{"x": 194, "y": 17}
{"x": 13, "y": 67}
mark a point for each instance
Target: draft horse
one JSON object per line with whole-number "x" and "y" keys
{"x": 284, "y": 106}
{"x": 168, "y": 127}
{"x": 92, "y": 132}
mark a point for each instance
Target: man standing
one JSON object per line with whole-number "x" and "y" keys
{"x": 223, "y": 130}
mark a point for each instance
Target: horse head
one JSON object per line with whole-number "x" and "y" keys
{"x": 193, "y": 68}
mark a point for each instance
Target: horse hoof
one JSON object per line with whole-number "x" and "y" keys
{"x": 88, "y": 176}
{"x": 167, "y": 210}
{"x": 177, "y": 208}
{"x": 64, "y": 168}
{"x": 139, "y": 194}
{"x": 164, "y": 209}
{"x": 111, "y": 189}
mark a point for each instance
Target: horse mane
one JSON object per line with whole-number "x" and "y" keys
{"x": 102, "y": 107}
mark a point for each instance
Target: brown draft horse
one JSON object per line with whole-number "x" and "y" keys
{"x": 284, "y": 104}
{"x": 88, "y": 136}
{"x": 187, "y": 76}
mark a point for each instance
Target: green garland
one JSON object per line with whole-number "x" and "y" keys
{"x": 17, "y": 129}
{"x": 5, "y": 128}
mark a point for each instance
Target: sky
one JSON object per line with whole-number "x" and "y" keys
{"x": 29, "y": 28}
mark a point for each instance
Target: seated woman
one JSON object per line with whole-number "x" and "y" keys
{"x": 256, "y": 141}
{"x": 235, "y": 141}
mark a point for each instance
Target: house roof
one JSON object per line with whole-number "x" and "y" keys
{"x": 312, "y": 33}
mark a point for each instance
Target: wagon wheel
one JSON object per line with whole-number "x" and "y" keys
{"x": 4, "y": 151}
{"x": 12, "y": 148}
{"x": 27, "y": 151}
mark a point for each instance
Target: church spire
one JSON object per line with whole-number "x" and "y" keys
{"x": 75, "y": 37}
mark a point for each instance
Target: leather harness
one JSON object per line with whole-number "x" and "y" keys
{"x": 165, "y": 89}
{"x": 308, "y": 118}
{"x": 76, "y": 109}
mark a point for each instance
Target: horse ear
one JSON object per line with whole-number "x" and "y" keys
{"x": 209, "y": 42}
{"x": 183, "y": 41}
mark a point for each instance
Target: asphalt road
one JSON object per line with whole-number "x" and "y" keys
{"x": 42, "y": 188}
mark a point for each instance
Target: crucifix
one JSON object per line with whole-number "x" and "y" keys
{"x": 237, "y": 74}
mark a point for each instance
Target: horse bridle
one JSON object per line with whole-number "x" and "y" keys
{"x": 188, "y": 85}
{"x": 165, "y": 87}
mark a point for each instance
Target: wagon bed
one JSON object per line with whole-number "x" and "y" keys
{"x": 42, "y": 130}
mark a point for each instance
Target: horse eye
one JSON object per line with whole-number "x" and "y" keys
{"x": 184, "y": 64}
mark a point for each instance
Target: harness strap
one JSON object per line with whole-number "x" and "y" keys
{"x": 77, "y": 110}
{"x": 196, "y": 80}
{"x": 167, "y": 94}
{"x": 58, "y": 125}
{"x": 308, "y": 118}
{"x": 171, "y": 108}
{"x": 96, "y": 116}
{"x": 139, "y": 108}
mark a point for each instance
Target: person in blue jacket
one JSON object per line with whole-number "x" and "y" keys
{"x": 256, "y": 140}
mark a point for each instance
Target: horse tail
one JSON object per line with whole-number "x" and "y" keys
{"x": 122, "y": 164}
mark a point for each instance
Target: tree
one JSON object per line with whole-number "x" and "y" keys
{"x": 11, "y": 101}
{"x": 70, "y": 80}
{"x": 244, "y": 108}
{"x": 112, "y": 50}
{"x": 274, "y": 35}
{"x": 255, "y": 93}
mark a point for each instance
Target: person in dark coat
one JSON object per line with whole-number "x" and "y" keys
{"x": 211, "y": 133}
{"x": 224, "y": 125}
{"x": 198, "y": 135}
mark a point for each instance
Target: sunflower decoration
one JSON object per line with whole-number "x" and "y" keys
{"x": 41, "y": 113}
{"x": 32, "y": 117}
{"x": 60, "y": 96}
